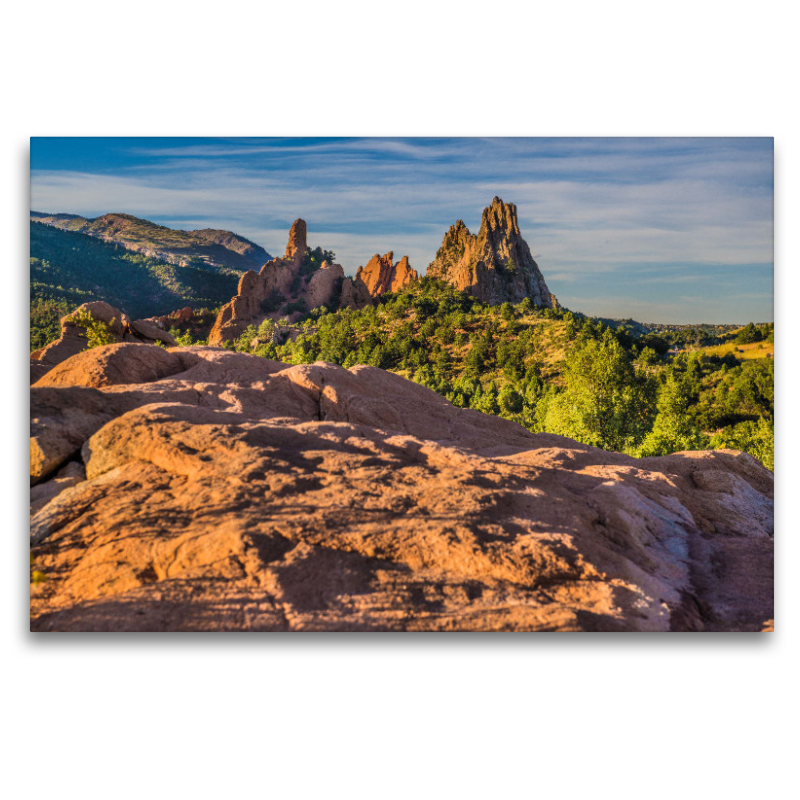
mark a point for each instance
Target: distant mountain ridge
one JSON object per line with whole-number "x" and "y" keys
{"x": 68, "y": 269}
{"x": 209, "y": 248}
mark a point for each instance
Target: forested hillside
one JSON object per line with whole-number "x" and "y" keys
{"x": 548, "y": 369}
{"x": 68, "y": 269}
{"x": 620, "y": 387}
{"x": 209, "y": 248}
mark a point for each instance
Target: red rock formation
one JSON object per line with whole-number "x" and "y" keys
{"x": 379, "y": 276}
{"x": 227, "y": 492}
{"x": 178, "y": 317}
{"x": 496, "y": 266}
{"x": 279, "y": 280}
{"x": 323, "y": 285}
{"x": 296, "y": 246}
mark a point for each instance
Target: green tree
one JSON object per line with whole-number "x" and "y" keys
{"x": 510, "y": 400}
{"x": 749, "y": 334}
{"x": 605, "y": 402}
{"x": 673, "y": 429}
{"x": 755, "y": 438}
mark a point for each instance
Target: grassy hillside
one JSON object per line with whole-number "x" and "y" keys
{"x": 744, "y": 352}
{"x": 68, "y": 269}
{"x": 549, "y": 370}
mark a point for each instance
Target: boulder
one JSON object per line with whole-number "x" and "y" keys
{"x": 149, "y": 330}
{"x": 244, "y": 494}
{"x": 71, "y": 474}
{"x": 62, "y": 419}
{"x": 74, "y": 337}
{"x": 114, "y": 364}
{"x": 324, "y": 285}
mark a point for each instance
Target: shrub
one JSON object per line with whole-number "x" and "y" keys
{"x": 296, "y": 305}
{"x": 98, "y": 332}
{"x": 273, "y": 302}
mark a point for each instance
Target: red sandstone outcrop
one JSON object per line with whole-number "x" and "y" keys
{"x": 262, "y": 294}
{"x": 74, "y": 337}
{"x": 180, "y": 317}
{"x": 296, "y": 246}
{"x": 226, "y": 492}
{"x": 379, "y": 276}
{"x": 496, "y": 266}
{"x": 323, "y": 285}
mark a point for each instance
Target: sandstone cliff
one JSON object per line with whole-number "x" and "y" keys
{"x": 496, "y": 266}
{"x": 198, "y": 489}
{"x": 279, "y": 283}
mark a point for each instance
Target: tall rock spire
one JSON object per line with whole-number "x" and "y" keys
{"x": 296, "y": 246}
{"x": 496, "y": 266}
{"x": 280, "y": 282}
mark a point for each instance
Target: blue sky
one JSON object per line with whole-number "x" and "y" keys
{"x": 662, "y": 230}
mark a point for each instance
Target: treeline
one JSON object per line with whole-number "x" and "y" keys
{"x": 549, "y": 370}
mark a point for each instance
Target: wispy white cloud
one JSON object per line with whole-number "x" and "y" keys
{"x": 587, "y": 207}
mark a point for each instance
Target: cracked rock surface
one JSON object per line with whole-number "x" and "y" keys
{"x": 209, "y": 490}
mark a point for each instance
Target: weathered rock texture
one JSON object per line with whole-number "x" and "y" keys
{"x": 280, "y": 281}
{"x": 496, "y": 266}
{"x": 227, "y": 492}
{"x": 74, "y": 339}
{"x": 379, "y": 276}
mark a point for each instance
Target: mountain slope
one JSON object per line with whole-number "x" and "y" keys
{"x": 216, "y": 249}
{"x": 68, "y": 269}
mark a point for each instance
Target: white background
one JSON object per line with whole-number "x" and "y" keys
{"x": 402, "y": 716}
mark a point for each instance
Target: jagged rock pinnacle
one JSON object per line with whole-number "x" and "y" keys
{"x": 495, "y": 266}
{"x": 380, "y": 275}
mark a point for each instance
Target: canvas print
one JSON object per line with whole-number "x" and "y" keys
{"x": 373, "y": 384}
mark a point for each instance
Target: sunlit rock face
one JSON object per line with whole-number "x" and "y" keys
{"x": 280, "y": 278}
{"x": 496, "y": 266}
{"x": 74, "y": 336}
{"x": 200, "y": 489}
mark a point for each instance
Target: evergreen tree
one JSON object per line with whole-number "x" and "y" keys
{"x": 673, "y": 429}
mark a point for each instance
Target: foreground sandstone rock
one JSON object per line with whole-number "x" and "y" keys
{"x": 227, "y": 492}
{"x": 74, "y": 339}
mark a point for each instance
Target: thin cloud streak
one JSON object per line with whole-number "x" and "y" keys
{"x": 587, "y": 207}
